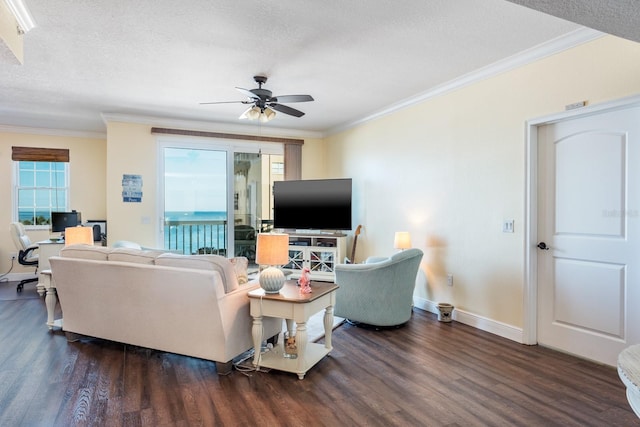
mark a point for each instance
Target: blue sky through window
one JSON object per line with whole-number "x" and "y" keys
{"x": 195, "y": 180}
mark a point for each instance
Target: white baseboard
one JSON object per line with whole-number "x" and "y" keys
{"x": 489, "y": 325}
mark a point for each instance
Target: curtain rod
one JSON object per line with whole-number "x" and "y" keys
{"x": 167, "y": 131}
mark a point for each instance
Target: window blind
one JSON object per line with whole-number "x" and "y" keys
{"x": 34, "y": 154}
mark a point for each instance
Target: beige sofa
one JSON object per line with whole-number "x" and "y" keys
{"x": 187, "y": 304}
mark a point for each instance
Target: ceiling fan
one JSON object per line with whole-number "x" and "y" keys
{"x": 263, "y": 104}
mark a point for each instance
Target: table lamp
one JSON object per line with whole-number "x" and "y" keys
{"x": 272, "y": 249}
{"x": 402, "y": 240}
{"x": 76, "y": 235}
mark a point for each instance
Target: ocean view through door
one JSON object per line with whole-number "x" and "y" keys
{"x": 216, "y": 198}
{"x": 195, "y": 200}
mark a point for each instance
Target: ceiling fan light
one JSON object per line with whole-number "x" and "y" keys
{"x": 267, "y": 115}
{"x": 253, "y": 113}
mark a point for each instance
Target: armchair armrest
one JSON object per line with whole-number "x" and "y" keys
{"x": 25, "y": 257}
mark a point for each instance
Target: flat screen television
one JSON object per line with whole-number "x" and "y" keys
{"x": 316, "y": 204}
{"x": 62, "y": 220}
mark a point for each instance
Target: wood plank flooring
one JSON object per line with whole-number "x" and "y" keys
{"x": 427, "y": 373}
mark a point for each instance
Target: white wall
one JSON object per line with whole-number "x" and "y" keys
{"x": 451, "y": 169}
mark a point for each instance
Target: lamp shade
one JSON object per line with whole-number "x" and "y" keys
{"x": 75, "y": 235}
{"x": 272, "y": 249}
{"x": 402, "y": 240}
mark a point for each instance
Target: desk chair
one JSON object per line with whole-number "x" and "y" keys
{"x": 26, "y": 255}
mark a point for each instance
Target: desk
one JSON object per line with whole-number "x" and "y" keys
{"x": 293, "y": 306}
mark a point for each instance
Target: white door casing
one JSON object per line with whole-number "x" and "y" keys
{"x": 584, "y": 192}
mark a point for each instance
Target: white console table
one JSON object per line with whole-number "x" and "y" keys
{"x": 318, "y": 252}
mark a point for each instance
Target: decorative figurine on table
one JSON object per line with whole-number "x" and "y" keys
{"x": 305, "y": 281}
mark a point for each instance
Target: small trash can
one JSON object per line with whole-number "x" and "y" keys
{"x": 444, "y": 312}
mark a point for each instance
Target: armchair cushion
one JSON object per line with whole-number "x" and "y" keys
{"x": 380, "y": 291}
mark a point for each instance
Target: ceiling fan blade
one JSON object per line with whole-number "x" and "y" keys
{"x": 247, "y": 93}
{"x": 292, "y": 98}
{"x": 286, "y": 110}
{"x": 226, "y": 102}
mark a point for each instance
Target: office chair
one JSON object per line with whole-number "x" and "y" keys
{"x": 26, "y": 249}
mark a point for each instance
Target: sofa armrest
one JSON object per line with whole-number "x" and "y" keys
{"x": 236, "y": 316}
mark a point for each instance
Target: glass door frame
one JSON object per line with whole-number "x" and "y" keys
{"x": 198, "y": 143}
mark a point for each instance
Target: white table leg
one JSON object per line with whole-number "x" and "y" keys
{"x": 50, "y": 300}
{"x": 41, "y": 287}
{"x": 328, "y": 327}
{"x": 301, "y": 343}
{"x": 289, "y": 326}
{"x": 256, "y": 332}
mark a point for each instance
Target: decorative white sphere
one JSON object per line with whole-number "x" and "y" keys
{"x": 271, "y": 280}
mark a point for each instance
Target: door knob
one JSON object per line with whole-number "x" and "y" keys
{"x": 543, "y": 246}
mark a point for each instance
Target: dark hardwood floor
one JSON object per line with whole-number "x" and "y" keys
{"x": 426, "y": 373}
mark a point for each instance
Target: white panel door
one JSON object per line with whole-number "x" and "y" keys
{"x": 589, "y": 234}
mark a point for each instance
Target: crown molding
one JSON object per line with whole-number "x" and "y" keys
{"x": 22, "y": 15}
{"x": 557, "y": 45}
{"x": 52, "y": 132}
{"x": 209, "y": 126}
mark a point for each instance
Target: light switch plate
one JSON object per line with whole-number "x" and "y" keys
{"x": 507, "y": 226}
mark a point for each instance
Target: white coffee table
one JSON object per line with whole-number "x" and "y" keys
{"x": 291, "y": 305}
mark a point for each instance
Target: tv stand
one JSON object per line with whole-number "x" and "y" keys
{"x": 319, "y": 252}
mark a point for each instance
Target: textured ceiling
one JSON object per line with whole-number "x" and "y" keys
{"x": 160, "y": 58}
{"x": 618, "y": 17}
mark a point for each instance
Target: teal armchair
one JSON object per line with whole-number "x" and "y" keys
{"x": 380, "y": 291}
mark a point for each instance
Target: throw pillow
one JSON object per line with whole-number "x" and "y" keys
{"x": 241, "y": 266}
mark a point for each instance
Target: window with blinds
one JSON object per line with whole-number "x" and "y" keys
{"x": 41, "y": 184}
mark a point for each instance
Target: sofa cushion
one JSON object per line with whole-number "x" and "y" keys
{"x": 97, "y": 253}
{"x": 241, "y": 266}
{"x": 203, "y": 262}
{"x": 133, "y": 255}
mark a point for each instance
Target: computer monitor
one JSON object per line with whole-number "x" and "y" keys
{"x": 62, "y": 220}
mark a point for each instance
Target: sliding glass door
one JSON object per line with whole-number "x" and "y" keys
{"x": 215, "y": 198}
{"x": 195, "y": 200}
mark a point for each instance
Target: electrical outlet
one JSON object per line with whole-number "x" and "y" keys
{"x": 449, "y": 279}
{"x": 507, "y": 226}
